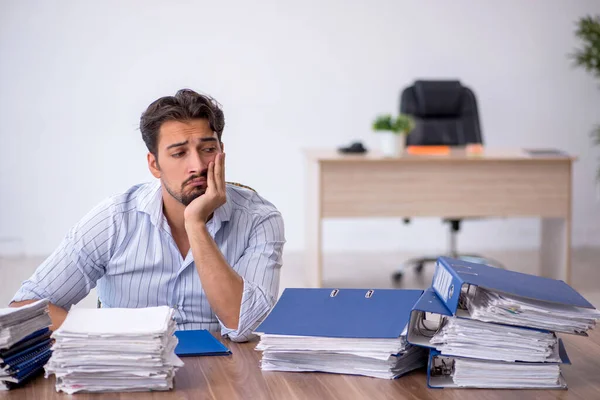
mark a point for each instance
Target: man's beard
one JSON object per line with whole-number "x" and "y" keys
{"x": 184, "y": 197}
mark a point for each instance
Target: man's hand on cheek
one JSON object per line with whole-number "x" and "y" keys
{"x": 199, "y": 210}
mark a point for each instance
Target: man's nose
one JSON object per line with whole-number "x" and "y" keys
{"x": 196, "y": 164}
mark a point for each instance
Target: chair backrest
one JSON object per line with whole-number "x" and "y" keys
{"x": 445, "y": 113}
{"x": 240, "y": 185}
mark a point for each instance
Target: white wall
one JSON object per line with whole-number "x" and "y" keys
{"x": 76, "y": 75}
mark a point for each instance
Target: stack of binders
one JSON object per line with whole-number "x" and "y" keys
{"x": 346, "y": 331}
{"x": 24, "y": 343}
{"x": 494, "y": 328}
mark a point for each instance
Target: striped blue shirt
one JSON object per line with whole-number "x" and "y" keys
{"x": 125, "y": 246}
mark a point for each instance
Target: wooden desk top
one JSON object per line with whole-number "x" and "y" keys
{"x": 456, "y": 154}
{"x": 239, "y": 377}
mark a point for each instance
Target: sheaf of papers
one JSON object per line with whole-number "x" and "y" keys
{"x": 378, "y": 358}
{"x": 486, "y": 374}
{"x": 489, "y": 306}
{"x": 476, "y": 339}
{"x": 115, "y": 349}
{"x": 19, "y": 322}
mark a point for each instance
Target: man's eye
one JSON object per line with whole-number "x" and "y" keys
{"x": 178, "y": 154}
{"x": 210, "y": 149}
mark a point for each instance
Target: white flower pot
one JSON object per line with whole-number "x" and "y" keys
{"x": 392, "y": 144}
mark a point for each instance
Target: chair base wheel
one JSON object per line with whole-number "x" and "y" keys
{"x": 397, "y": 277}
{"x": 419, "y": 268}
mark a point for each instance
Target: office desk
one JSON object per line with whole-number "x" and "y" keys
{"x": 239, "y": 377}
{"x": 489, "y": 184}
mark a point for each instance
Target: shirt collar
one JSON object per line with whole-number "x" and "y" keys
{"x": 151, "y": 202}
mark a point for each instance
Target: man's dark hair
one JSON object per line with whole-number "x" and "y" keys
{"x": 184, "y": 106}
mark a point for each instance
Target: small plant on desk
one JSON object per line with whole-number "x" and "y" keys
{"x": 393, "y": 132}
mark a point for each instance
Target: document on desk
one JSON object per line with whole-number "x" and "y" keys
{"x": 346, "y": 331}
{"x": 112, "y": 349}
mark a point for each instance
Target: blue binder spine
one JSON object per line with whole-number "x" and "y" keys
{"x": 447, "y": 284}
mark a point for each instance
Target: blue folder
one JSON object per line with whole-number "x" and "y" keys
{"x": 341, "y": 313}
{"x": 452, "y": 275}
{"x": 440, "y": 381}
{"x": 199, "y": 343}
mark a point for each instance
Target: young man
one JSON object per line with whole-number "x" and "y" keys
{"x": 211, "y": 250}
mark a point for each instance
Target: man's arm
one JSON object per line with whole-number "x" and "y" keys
{"x": 73, "y": 269}
{"x": 57, "y": 314}
{"x": 223, "y": 287}
{"x": 239, "y": 302}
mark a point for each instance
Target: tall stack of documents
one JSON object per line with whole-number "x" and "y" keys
{"x": 345, "y": 331}
{"x": 494, "y": 328}
{"x": 115, "y": 350}
{"x": 24, "y": 343}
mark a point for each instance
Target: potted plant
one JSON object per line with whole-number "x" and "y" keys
{"x": 588, "y": 56}
{"x": 392, "y": 132}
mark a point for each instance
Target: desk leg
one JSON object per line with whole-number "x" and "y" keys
{"x": 314, "y": 227}
{"x": 555, "y": 256}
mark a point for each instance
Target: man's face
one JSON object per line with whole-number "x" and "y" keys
{"x": 184, "y": 151}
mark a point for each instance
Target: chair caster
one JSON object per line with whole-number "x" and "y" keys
{"x": 397, "y": 277}
{"x": 419, "y": 268}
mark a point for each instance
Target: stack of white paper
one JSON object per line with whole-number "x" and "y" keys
{"x": 18, "y": 322}
{"x": 490, "y": 306}
{"x": 476, "y": 339}
{"x": 115, "y": 349}
{"x": 485, "y": 374}
{"x": 378, "y": 358}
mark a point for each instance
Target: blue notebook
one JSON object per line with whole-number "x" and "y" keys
{"x": 341, "y": 313}
{"x": 199, "y": 343}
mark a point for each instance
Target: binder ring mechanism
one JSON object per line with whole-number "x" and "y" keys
{"x": 368, "y": 295}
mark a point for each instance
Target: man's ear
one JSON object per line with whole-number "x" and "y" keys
{"x": 222, "y": 147}
{"x": 153, "y": 166}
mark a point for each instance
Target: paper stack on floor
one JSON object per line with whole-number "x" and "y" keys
{"x": 115, "y": 349}
{"x": 494, "y": 328}
{"x": 24, "y": 343}
{"x": 346, "y": 331}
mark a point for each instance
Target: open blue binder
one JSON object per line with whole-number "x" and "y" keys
{"x": 341, "y": 313}
{"x": 431, "y": 304}
{"x": 452, "y": 275}
{"x": 199, "y": 343}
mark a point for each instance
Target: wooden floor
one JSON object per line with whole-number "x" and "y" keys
{"x": 357, "y": 270}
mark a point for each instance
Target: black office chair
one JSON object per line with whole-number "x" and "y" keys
{"x": 445, "y": 113}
